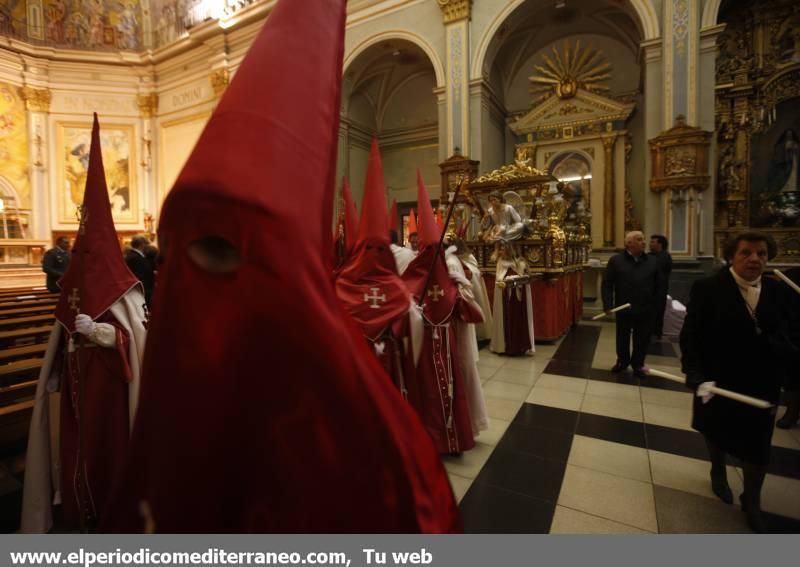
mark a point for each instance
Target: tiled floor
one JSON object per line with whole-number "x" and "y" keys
{"x": 573, "y": 448}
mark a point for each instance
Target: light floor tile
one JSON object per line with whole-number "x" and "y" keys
{"x": 470, "y": 463}
{"x": 611, "y": 390}
{"x": 569, "y": 521}
{"x": 689, "y": 475}
{"x": 492, "y": 436}
{"x": 783, "y": 438}
{"x": 488, "y": 358}
{"x": 611, "y": 407}
{"x": 555, "y": 398}
{"x": 546, "y": 351}
{"x": 781, "y": 495}
{"x": 526, "y": 377}
{"x": 502, "y": 409}
{"x": 679, "y": 418}
{"x": 613, "y": 458}
{"x": 524, "y": 362}
{"x": 460, "y": 485}
{"x": 623, "y": 500}
{"x": 506, "y": 390}
{"x": 566, "y": 383}
{"x": 487, "y": 372}
{"x": 667, "y": 398}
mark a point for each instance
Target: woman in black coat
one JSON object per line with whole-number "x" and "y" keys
{"x": 739, "y": 344}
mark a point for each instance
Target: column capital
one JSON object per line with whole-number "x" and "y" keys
{"x": 220, "y": 80}
{"x": 36, "y": 100}
{"x": 148, "y": 104}
{"x": 455, "y": 10}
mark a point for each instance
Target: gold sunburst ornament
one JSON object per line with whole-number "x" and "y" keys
{"x": 568, "y": 70}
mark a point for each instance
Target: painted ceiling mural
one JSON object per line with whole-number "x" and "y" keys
{"x": 109, "y": 24}
{"x": 82, "y": 24}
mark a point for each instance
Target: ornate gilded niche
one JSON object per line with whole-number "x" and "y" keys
{"x": 571, "y": 110}
{"x": 758, "y": 124}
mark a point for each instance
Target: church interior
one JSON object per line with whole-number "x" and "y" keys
{"x": 593, "y": 119}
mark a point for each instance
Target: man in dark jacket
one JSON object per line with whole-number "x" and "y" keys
{"x": 632, "y": 277}
{"x": 55, "y": 263}
{"x": 658, "y": 251}
{"x": 736, "y": 336}
{"x": 141, "y": 267}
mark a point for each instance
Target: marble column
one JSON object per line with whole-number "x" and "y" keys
{"x": 456, "y": 14}
{"x": 37, "y": 103}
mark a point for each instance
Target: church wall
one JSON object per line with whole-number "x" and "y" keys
{"x": 400, "y": 170}
{"x": 176, "y": 139}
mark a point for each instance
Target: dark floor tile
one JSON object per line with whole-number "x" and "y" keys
{"x": 579, "y": 345}
{"x": 781, "y": 524}
{"x": 676, "y": 441}
{"x": 490, "y": 509}
{"x": 10, "y": 511}
{"x": 661, "y": 349}
{"x": 568, "y": 368}
{"x": 524, "y": 473}
{"x": 663, "y": 383}
{"x": 680, "y": 512}
{"x": 611, "y": 429}
{"x": 544, "y": 443}
{"x": 545, "y": 417}
{"x": 605, "y": 375}
{"x": 785, "y": 462}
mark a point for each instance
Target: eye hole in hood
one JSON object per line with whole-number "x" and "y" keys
{"x": 214, "y": 254}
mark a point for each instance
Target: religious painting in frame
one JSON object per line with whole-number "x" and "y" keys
{"x": 72, "y": 152}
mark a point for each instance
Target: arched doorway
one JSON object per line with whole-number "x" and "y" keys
{"x": 388, "y": 93}
{"x": 595, "y": 46}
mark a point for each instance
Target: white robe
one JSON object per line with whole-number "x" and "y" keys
{"x": 468, "y": 349}
{"x": 498, "y": 343}
{"x": 42, "y": 476}
{"x": 482, "y": 330}
{"x": 402, "y": 257}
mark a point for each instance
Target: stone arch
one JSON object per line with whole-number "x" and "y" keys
{"x": 417, "y": 40}
{"x": 644, "y": 10}
{"x": 710, "y": 14}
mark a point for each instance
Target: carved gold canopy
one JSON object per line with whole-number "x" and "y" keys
{"x": 680, "y": 158}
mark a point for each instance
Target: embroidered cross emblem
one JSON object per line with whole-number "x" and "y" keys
{"x": 435, "y": 293}
{"x": 374, "y": 298}
{"x": 74, "y": 300}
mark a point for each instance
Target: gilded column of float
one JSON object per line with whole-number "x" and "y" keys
{"x": 37, "y": 103}
{"x": 609, "y": 218}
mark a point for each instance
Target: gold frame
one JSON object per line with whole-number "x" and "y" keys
{"x": 64, "y": 216}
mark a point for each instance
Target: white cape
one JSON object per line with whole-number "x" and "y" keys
{"x": 482, "y": 330}
{"x": 498, "y": 343}
{"x": 468, "y": 351}
{"x": 402, "y": 257}
{"x": 42, "y": 475}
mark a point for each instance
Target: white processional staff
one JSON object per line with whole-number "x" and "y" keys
{"x": 786, "y": 280}
{"x": 622, "y": 307}
{"x": 749, "y": 400}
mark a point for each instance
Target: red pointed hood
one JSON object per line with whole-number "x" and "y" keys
{"x": 97, "y": 272}
{"x": 440, "y": 297}
{"x": 427, "y": 231}
{"x": 412, "y": 222}
{"x": 394, "y": 220}
{"x": 437, "y": 215}
{"x": 368, "y": 284}
{"x": 350, "y": 217}
{"x": 252, "y": 369}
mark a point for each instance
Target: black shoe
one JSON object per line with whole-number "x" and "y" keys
{"x": 720, "y": 487}
{"x": 640, "y": 372}
{"x": 618, "y": 367}
{"x": 755, "y": 520}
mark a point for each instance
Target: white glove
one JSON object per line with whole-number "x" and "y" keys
{"x": 458, "y": 278}
{"x": 704, "y": 391}
{"x": 379, "y": 348}
{"x": 84, "y": 325}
